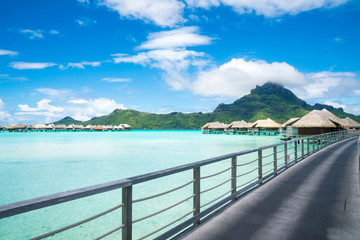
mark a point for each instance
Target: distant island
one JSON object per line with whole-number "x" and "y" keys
{"x": 270, "y": 100}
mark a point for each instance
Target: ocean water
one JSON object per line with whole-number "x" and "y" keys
{"x": 37, "y": 164}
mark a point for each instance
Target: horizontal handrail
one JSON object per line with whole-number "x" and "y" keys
{"x": 163, "y": 210}
{"x": 163, "y": 193}
{"x": 78, "y": 223}
{"x": 215, "y": 174}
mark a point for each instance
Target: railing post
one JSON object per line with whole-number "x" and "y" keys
{"x": 285, "y": 155}
{"x": 302, "y": 148}
{"x": 295, "y": 151}
{"x": 196, "y": 192}
{"x": 233, "y": 175}
{"x": 260, "y": 165}
{"x": 127, "y": 213}
{"x": 275, "y": 160}
{"x": 308, "y": 146}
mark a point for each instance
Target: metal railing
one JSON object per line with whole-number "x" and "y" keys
{"x": 246, "y": 170}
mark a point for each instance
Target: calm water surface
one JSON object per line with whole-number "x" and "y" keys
{"x": 37, "y": 164}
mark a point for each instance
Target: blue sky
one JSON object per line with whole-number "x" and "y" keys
{"x": 84, "y": 58}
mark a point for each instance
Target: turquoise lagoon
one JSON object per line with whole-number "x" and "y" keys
{"x": 41, "y": 163}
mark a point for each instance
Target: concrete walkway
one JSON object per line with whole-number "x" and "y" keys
{"x": 317, "y": 198}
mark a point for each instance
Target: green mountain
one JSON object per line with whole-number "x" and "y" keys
{"x": 67, "y": 121}
{"x": 268, "y": 101}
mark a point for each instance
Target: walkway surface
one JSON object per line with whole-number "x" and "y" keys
{"x": 317, "y": 198}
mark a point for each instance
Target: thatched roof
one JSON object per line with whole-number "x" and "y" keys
{"x": 38, "y": 126}
{"x": 60, "y": 126}
{"x": 350, "y": 122}
{"x": 78, "y": 126}
{"x": 88, "y": 127}
{"x": 17, "y": 126}
{"x": 205, "y": 126}
{"x": 318, "y": 119}
{"x": 217, "y": 125}
{"x": 238, "y": 124}
{"x": 268, "y": 123}
{"x": 98, "y": 127}
{"x": 125, "y": 125}
{"x": 290, "y": 122}
{"x": 50, "y": 126}
{"x": 71, "y": 126}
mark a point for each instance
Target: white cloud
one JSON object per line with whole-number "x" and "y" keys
{"x": 42, "y": 105}
{"x": 176, "y": 64}
{"x": 31, "y": 65}
{"x": 181, "y": 37}
{"x": 7, "y": 78}
{"x": 54, "y": 32}
{"x": 5, "y": 117}
{"x": 357, "y": 92}
{"x": 169, "y": 13}
{"x": 85, "y": 21}
{"x": 55, "y": 93}
{"x": 237, "y": 77}
{"x": 335, "y": 104}
{"x": 325, "y": 84}
{"x": 85, "y": 109}
{"x": 81, "y": 65}
{"x": 268, "y": 8}
{"x": 80, "y": 109}
{"x": 8, "y": 52}
{"x": 32, "y": 34}
{"x": 202, "y": 3}
{"x": 165, "y": 13}
{"x": 116, "y": 79}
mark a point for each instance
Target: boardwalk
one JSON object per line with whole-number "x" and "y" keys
{"x": 315, "y": 199}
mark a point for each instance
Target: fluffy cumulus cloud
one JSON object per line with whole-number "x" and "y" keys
{"x": 326, "y": 83}
{"x": 80, "y": 109}
{"x": 335, "y": 104}
{"x": 277, "y": 8}
{"x": 238, "y": 76}
{"x": 165, "y": 13}
{"x": 43, "y": 106}
{"x": 85, "y": 109}
{"x": 8, "y": 52}
{"x": 176, "y": 64}
{"x": 166, "y": 50}
{"x": 169, "y": 13}
{"x": 181, "y": 37}
{"x": 31, "y": 65}
{"x": 5, "y": 117}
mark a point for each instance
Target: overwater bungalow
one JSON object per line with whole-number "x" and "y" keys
{"x": 126, "y": 127}
{"x": 239, "y": 127}
{"x": 350, "y": 123}
{"x": 17, "y": 128}
{"x": 37, "y": 127}
{"x": 287, "y": 129}
{"x": 60, "y": 127}
{"x": 89, "y": 128}
{"x": 318, "y": 122}
{"x": 266, "y": 127}
{"x": 216, "y": 127}
{"x": 98, "y": 128}
{"x": 204, "y": 129}
{"x": 71, "y": 127}
{"x": 2, "y": 128}
{"x": 50, "y": 127}
{"x": 78, "y": 127}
